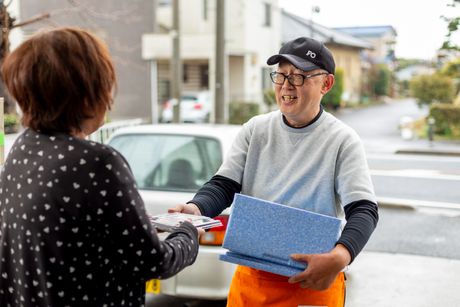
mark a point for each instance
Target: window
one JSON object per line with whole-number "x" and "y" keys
{"x": 164, "y": 2}
{"x": 185, "y": 68}
{"x": 205, "y": 9}
{"x": 170, "y": 162}
{"x": 204, "y": 76}
{"x": 267, "y": 15}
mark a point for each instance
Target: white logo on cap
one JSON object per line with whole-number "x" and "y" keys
{"x": 311, "y": 54}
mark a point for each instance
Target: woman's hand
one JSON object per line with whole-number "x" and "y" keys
{"x": 322, "y": 269}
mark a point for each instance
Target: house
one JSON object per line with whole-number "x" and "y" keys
{"x": 121, "y": 24}
{"x": 345, "y": 48}
{"x": 382, "y": 38}
{"x": 409, "y": 72}
{"x": 252, "y": 33}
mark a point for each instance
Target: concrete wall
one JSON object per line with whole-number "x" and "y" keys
{"x": 121, "y": 24}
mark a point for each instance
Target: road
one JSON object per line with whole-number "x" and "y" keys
{"x": 416, "y": 177}
{"x": 424, "y": 178}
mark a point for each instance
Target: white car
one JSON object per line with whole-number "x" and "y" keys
{"x": 170, "y": 162}
{"x": 195, "y": 107}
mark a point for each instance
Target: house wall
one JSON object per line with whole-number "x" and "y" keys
{"x": 349, "y": 60}
{"x": 121, "y": 24}
{"x": 236, "y": 78}
{"x": 261, "y": 41}
{"x": 382, "y": 45}
{"x": 249, "y": 42}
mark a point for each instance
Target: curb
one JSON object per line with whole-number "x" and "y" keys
{"x": 434, "y": 152}
{"x": 415, "y": 204}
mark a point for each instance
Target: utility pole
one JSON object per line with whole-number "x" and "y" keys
{"x": 314, "y": 10}
{"x": 176, "y": 64}
{"x": 220, "y": 61}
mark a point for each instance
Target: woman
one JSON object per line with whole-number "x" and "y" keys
{"x": 73, "y": 228}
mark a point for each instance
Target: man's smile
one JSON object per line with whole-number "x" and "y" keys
{"x": 288, "y": 98}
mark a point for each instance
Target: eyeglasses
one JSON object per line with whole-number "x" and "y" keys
{"x": 293, "y": 79}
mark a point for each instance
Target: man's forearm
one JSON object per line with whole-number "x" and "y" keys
{"x": 216, "y": 195}
{"x": 362, "y": 217}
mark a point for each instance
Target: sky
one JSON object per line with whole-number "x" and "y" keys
{"x": 420, "y": 29}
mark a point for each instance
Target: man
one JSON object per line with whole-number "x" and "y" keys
{"x": 304, "y": 157}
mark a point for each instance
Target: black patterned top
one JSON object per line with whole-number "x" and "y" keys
{"x": 74, "y": 230}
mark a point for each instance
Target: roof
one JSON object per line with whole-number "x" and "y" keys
{"x": 368, "y": 31}
{"x": 294, "y": 26}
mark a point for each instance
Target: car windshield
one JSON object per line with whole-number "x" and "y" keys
{"x": 170, "y": 162}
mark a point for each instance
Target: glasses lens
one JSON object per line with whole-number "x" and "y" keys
{"x": 277, "y": 78}
{"x": 296, "y": 79}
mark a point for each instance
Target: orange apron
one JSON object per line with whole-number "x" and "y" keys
{"x": 255, "y": 288}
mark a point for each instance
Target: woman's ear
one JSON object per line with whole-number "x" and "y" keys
{"x": 328, "y": 82}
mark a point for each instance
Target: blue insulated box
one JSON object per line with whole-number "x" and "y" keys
{"x": 262, "y": 234}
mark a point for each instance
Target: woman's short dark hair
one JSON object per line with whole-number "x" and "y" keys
{"x": 59, "y": 78}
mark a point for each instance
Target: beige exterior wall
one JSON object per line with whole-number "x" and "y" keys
{"x": 349, "y": 60}
{"x": 236, "y": 78}
{"x": 249, "y": 43}
{"x": 382, "y": 45}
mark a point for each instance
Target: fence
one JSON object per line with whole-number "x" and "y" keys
{"x": 104, "y": 132}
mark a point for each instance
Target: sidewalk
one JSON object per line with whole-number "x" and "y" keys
{"x": 383, "y": 280}
{"x": 396, "y": 145}
{"x": 424, "y": 147}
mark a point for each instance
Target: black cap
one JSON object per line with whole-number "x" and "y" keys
{"x": 306, "y": 54}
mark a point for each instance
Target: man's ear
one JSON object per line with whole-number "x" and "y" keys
{"x": 327, "y": 84}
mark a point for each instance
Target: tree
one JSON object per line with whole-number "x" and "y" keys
{"x": 452, "y": 69}
{"x": 333, "y": 98}
{"x": 453, "y": 25}
{"x": 380, "y": 80}
{"x": 7, "y": 23}
{"x": 428, "y": 89}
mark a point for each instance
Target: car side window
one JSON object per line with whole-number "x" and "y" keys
{"x": 170, "y": 162}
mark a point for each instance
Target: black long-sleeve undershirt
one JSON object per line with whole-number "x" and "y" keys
{"x": 361, "y": 216}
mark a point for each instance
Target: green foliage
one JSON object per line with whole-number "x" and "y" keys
{"x": 453, "y": 24}
{"x": 452, "y": 69}
{"x": 333, "y": 98}
{"x": 380, "y": 80}
{"x": 433, "y": 88}
{"x": 447, "y": 119}
{"x": 269, "y": 98}
{"x": 404, "y": 63}
{"x": 241, "y": 112}
{"x": 10, "y": 120}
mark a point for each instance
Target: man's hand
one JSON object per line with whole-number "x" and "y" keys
{"x": 189, "y": 208}
{"x": 322, "y": 268}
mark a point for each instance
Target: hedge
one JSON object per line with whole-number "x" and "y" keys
{"x": 240, "y": 112}
{"x": 447, "y": 119}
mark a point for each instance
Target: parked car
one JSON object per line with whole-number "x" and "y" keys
{"x": 195, "y": 107}
{"x": 170, "y": 162}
